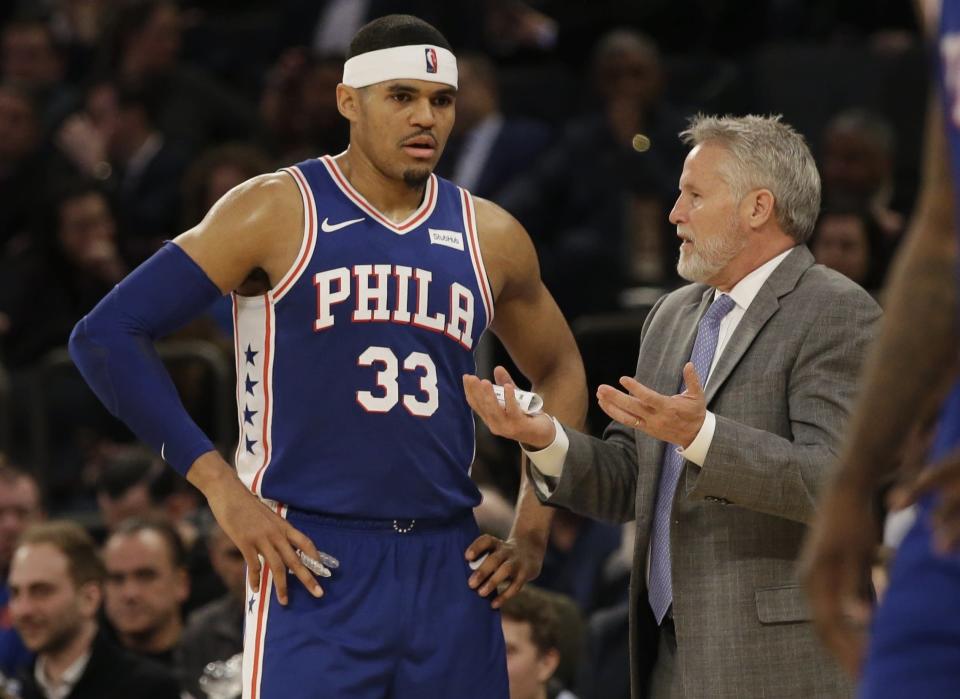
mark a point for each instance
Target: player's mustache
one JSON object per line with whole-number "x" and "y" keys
{"x": 420, "y": 134}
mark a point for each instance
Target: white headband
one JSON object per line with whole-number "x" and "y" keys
{"x": 416, "y": 62}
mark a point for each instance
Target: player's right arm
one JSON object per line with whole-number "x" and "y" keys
{"x": 912, "y": 359}
{"x": 254, "y": 226}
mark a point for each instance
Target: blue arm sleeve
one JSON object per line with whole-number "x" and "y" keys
{"x": 113, "y": 348}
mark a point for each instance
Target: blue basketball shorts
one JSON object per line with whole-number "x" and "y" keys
{"x": 915, "y": 641}
{"x": 396, "y": 621}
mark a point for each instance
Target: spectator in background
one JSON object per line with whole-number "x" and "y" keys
{"x": 132, "y": 482}
{"x": 78, "y": 27}
{"x": 215, "y": 172}
{"x": 595, "y": 207}
{"x": 850, "y": 242}
{"x": 858, "y": 162}
{"x": 25, "y": 166}
{"x": 20, "y": 506}
{"x": 533, "y": 631}
{"x": 31, "y": 58}
{"x": 143, "y": 46}
{"x": 56, "y": 582}
{"x": 298, "y": 107}
{"x": 147, "y": 584}
{"x": 68, "y": 264}
{"x": 115, "y": 139}
{"x": 71, "y": 267}
{"x": 486, "y": 149}
{"x": 215, "y": 631}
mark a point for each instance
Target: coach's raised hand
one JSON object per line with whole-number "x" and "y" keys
{"x": 508, "y": 420}
{"x": 254, "y": 528}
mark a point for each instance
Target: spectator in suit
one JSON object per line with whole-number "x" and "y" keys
{"x": 56, "y": 582}
{"x": 487, "y": 150}
{"x": 147, "y": 584}
{"x": 116, "y": 140}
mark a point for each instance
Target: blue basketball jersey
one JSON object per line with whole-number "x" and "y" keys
{"x": 349, "y": 391}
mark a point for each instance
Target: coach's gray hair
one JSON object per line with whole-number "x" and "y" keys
{"x": 766, "y": 153}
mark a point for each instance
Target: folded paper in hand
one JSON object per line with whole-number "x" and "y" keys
{"x": 529, "y": 402}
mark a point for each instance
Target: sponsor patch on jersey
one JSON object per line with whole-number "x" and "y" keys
{"x": 452, "y": 239}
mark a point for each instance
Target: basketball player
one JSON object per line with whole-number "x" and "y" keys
{"x": 362, "y": 284}
{"x": 915, "y": 644}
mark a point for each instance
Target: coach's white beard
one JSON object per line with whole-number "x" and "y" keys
{"x": 709, "y": 255}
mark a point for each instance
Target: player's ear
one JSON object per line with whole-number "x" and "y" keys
{"x": 348, "y": 102}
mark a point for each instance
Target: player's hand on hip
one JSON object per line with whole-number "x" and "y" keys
{"x": 943, "y": 478}
{"x": 260, "y": 533}
{"x": 675, "y": 419}
{"x": 504, "y": 566}
{"x": 836, "y": 566}
{"x": 507, "y": 420}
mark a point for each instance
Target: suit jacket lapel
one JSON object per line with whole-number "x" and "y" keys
{"x": 767, "y": 302}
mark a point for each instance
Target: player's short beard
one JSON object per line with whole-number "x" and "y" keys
{"x": 710, "y": 254}
{"x": 416, "y": 179}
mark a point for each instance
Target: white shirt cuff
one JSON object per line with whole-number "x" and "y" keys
{"x": 549, "y": 460}
{"x": 697, "y": 451}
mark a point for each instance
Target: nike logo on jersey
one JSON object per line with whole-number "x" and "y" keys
{"x": 331, "y": 227}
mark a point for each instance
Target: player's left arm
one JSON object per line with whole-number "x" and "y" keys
{"x": 538, "y": 339}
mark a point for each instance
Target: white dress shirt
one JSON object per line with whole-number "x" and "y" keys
{"x": 549, "y": 461}
{"x": 68, "y": 679}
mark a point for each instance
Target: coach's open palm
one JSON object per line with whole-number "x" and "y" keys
{"x": 254, "y": 528}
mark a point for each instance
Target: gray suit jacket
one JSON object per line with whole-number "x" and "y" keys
{"x": 781, "y": 391}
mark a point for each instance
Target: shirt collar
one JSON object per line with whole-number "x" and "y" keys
{"x": 747, "y": 288}
{"x": 68, "y": 679}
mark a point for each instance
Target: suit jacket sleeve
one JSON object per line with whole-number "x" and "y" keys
{"x": 781, "y": 476}
{"x": 599, "y": 477}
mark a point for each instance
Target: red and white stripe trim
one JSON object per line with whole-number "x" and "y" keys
{"x": 234, "y": 300}
{"x": 405, "y": 226}
{"x": 255, "y": 632}
{"x": 309, "y": 240}
{"x": 476, "y": 256}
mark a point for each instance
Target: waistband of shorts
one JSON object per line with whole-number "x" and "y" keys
{"x": 400, "y": 525}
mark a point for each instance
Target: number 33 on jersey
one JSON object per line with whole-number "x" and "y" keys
{"x": 349, "y": 370}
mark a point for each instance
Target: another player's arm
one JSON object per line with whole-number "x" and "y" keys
{"x": 535, "y": 333}
{"x": 917, "y": 345}
{"x": 113, "y": 347}
{"x": 908, "y": 366}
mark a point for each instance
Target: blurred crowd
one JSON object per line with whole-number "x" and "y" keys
{"x": 123, "y": 121}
